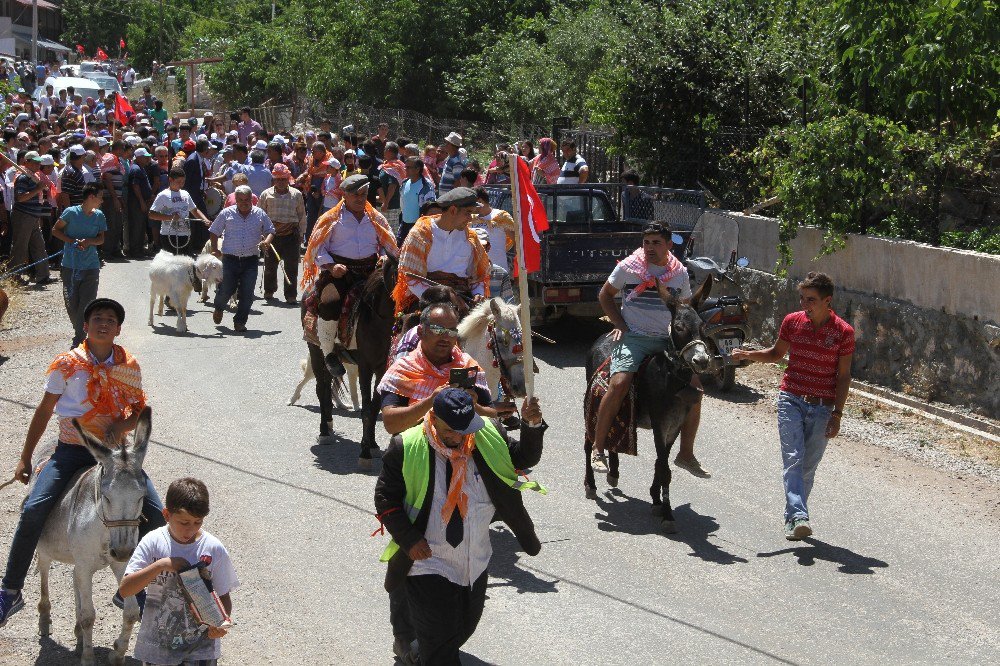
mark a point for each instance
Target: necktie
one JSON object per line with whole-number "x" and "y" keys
{"x": 454, "y": 532}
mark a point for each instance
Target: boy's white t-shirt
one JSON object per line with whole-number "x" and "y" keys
{"x": 169, "y": 634}
{"x": 168, "y": 202}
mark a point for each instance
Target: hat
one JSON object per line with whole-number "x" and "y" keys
{"x": 133, "y": 140}
{"x": 332, "y": 162}
{"x": 463, "y": 197}
{"x": 281, "y": 172}
{"x": 454, "y": 139}
{"x": 32, "y": 156}
{"x": 188, "y": 146}
{"x": 233, "y": 133}
{"x": 24, "y": 136}
{"x": 192, "y": 121}
{"x": 354, "y": 183}
{"x": 455, "y": 407}
{"x": 102, "y": 141}
{"x": 76, "y": 150}
{"x": 141, "y": 152}
{"x": 109, "y": 304}
{"x": 218, "y": 145}
{"x": 278, "y": 139}
{"x": 21, "y": 117}
{"x": 260, "y": 145}
{"x": 350, "y": 151}
{"x": 46, "y": 160}
{"x": 209, "y": 114}
{"x": 348, "y": 129}
{"x": 484, "y": 236}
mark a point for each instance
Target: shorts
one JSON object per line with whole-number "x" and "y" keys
{"x": 633, "y": 349}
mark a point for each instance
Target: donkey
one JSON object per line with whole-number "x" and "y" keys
{"x": 95, "y": 525}
{"x": 491, "y": 334}
{"x": 663, "y": 395}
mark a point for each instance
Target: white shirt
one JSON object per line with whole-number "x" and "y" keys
{"x": 180, "y": 203}
{"x": 350, "y": 238}
{"x": 498, "y": 241}
{"x": 462, "y": 565}
{"x": 73, "y": 401}
{"x": 450, "y": 253}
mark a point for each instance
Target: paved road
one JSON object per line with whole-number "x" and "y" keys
{"x": 903, "y": 568}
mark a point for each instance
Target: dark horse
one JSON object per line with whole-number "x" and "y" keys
{"x": 663, "y": 394}
{"x": 373, "y": 333}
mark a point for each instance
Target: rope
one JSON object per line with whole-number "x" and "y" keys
{"x": 24, "y": 268}
{"x": 281, "y": 264}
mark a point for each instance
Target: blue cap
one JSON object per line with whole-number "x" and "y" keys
{"x": 455, "y": 407}
{"x": 218, "y": 145}
{"x": 104, "y": 133}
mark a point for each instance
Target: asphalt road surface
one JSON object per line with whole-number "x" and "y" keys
{"x": 903, "y": 568}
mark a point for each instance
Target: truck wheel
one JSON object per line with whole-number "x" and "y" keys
{"x": 727, "y": 378}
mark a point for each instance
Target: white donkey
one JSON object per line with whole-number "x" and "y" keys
{"x": 491, "y": 334}
{"x": 96, "y": 525}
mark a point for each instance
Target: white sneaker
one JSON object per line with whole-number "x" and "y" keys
{"x": 599, "y": 462}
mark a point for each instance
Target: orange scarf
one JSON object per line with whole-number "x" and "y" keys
{"x": 115, "y": 391}
{"x": 413, "y": 260}
{"x": 416, "y": 378}
{"x": 324, "y": 226}
{"x": 459, "y": 458}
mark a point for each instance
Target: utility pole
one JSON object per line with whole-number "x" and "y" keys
{"x": 160, "y": 46}
{"x": 34, "y": 32}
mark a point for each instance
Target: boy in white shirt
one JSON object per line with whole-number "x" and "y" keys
{"x": 169, "y": 634}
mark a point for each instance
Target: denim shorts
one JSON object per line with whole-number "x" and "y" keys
{"x": 633, "y": 349}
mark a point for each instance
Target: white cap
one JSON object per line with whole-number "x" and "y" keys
{"x": 278, "y": 139}
{"x": 141, "y": 152}
{"x": 47, "y": 160}
{"x": 454, "y": 139}
{"x": 133, "y": 140}
{"x": 260, "y": 145}
{"x": 78, "y": 150}
{"x": 102, "y": 141}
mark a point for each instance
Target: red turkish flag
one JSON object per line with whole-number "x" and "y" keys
{"x": 79, "y": 49}
{"x": 123, "y": 110}
{"x": 101, "y": 55}
{"x": 533, "y": 220}
{"x": 121, "y": 42}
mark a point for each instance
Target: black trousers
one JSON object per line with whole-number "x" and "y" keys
{"x": 444, "y": 616}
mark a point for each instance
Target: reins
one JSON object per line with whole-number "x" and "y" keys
{"x": 97, "y": 504}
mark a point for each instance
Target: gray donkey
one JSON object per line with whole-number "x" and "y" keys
{"x": 95, "y": 525}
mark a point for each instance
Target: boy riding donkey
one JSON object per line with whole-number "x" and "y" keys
{"x": 100, "y": 385}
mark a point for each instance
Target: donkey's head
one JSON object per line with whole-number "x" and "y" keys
{"x": 686, "y": 327}
{"x": 119, "y": 486}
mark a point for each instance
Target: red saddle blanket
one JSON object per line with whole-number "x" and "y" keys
{"x": 622, "y": 437}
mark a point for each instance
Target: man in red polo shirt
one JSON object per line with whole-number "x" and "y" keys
{"x": 813, "y": 391}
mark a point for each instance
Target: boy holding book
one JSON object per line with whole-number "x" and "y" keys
{"x": 170, "y": 634}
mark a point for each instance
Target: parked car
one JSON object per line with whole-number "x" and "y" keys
{"x": 106, "y": 81}
{"x": 585, "y": 241}
{"x": 83, "y": 87}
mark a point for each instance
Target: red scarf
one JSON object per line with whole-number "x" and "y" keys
{"x": 636, "y": 263}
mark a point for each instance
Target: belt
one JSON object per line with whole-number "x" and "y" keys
{"x": 238, "y": 256}
{"x": 816, "y": 400}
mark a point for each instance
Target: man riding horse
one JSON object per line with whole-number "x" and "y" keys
{"x": 348, "y": 243}
{"x": 642, "y": 328}
{"x": 442, "y": 249}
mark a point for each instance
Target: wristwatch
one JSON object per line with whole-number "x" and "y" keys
{"x": 836, "y": 413}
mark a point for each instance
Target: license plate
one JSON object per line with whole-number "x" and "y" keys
{"x": 727, "y": 345}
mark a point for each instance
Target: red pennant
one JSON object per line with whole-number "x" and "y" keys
{"x": 533, "y": 220}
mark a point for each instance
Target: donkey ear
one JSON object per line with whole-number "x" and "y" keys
{"x": 96, "y": 447}
{"x": 495, "y": 307}
{"x": 142, "y": 429}
{"x": 704, "y": 291}
{"x": 671, "y": 297}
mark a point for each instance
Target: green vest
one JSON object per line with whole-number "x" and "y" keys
{"x": 417, "y": 466}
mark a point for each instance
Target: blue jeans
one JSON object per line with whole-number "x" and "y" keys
{"x": 66, "y": 461}
{"x": 802, "y": 429}
{"x": 239, "y": 275}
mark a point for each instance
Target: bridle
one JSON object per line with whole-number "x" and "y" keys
{"x": 678, "y": 363}
{"x": 97, "y": 506}
{"x": 507, "y": 336}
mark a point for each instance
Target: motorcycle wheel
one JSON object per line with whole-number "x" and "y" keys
{"x": 727, "y": 378}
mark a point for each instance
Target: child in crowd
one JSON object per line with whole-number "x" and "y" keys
{"x": 169, "y": 634}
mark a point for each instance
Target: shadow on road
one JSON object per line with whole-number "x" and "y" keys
{"x": 740, "y": 393}
{"x": 163, "y": 328}
{"x": 52, "y": 654}
{"x": 504, "y": 571}
{"x": 573, "y": 339}
{"x": 634, "y": 516}
{"x": 250, "y": 334}
{"x": 339, "y": 455}
{"x": 849, "y": 562}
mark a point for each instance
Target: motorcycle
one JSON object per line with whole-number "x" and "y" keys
{"x": 725, "y": 317}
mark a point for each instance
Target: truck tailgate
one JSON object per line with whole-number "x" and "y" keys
{"x": 584, "y": 257}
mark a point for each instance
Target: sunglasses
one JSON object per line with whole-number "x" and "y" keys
{"x": 434, "y": 329}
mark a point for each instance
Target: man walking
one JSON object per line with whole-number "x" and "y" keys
{"x": 31, "y": 208}
{"x": 287, "y": 209}
{"x": 442, "y": 482}
{"x": 139, "y": 200}
{"x": 814, "y": 388}
{"x": 242, "y": 226}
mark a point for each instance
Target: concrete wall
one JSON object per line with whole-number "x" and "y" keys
{"x": 953, "y": 281}
{"x": 926, "y": 320}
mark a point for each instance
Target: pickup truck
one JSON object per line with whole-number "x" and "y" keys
{"x": 586, "y": 239}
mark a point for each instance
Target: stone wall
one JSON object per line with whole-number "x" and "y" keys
{"x": 940, "y": 343}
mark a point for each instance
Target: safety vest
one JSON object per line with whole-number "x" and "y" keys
{"x": 417, "y": 466}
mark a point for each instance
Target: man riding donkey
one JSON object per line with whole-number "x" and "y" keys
{"x": 348, "y": 243}
{"x": 443, "y": 250}
{"x": 411, "y": 390}
{"x": 642, "y": 328}
{"x": 99, "y": 384}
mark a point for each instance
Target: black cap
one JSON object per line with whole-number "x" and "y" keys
{"x": 463, "y": 197}
{"x": 455, "y": 407}
{"x": 354, "y": 183}
{"x": 105, "y": 304}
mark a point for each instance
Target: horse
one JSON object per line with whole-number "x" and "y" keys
{"x": 95, "y": 525}
{"x": 663, "y": 397}
{"x": 491, "y": 334}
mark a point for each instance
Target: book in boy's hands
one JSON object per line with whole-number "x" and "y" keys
{"x": 196, "y": 583}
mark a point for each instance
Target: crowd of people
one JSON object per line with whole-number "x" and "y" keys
{"x": 329, "y": 209}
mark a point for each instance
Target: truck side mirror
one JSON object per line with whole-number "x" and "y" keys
{"x": 742, "y": 262}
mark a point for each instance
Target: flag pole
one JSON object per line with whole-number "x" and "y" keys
{"x": 522, "y": 279}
